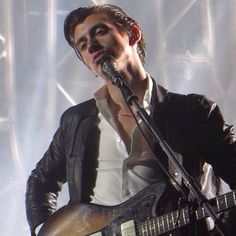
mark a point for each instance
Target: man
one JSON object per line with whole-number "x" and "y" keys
{"x": 104, "y": 151}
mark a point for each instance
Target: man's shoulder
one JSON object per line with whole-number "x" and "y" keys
{"x": 83, "y": 109}
{"x": 192, "y": 99}
{"x": 191, "y": 102}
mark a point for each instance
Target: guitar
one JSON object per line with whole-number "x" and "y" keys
{"x": 137, "y": 216}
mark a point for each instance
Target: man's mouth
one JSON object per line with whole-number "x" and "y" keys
{"x": 98, "y": 56}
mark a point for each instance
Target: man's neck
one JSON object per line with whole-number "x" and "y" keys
{"x": 137, "y": 82}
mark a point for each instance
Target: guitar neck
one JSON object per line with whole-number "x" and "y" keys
{"x": 176, "y": 219}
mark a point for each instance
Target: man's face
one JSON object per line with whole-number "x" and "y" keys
{"x": 96, "y": 37}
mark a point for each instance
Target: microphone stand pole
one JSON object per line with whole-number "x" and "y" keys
{"x": 189, "y": 181}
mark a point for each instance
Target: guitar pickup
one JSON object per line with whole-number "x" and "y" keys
{"x": 128, "y": 228}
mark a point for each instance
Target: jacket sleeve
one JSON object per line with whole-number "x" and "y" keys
{"x": 223, "y": 159}
{"x": 45, "y": 181}
{"x": 213, "y": 138}
{"x": 223, "y": 146}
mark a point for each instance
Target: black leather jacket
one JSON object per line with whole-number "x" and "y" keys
{"x": 192, "y": 125}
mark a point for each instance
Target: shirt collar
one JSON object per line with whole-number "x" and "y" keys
{"x": 148, "y": 94}
{"x": 101, "y": 96}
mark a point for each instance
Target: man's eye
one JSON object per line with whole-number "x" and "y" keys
{"x": 100, "y": 30}
{"x": 82, "y": 46}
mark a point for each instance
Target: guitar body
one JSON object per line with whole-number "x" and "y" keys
{"x": 91, "y": 219}
{"x": 137, "y": 216}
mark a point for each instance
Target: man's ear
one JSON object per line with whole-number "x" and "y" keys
{"x": 134, "y": 34}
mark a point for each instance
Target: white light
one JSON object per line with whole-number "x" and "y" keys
{"x": 3, "y": 53}
{"x": 2, "y": 39}
{"x": 98, "y": 2}
{"x": 64, "y": 92}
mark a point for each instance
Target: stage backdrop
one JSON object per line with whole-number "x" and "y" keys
{"x": 191, "y": 48}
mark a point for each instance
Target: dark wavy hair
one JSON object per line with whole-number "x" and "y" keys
{"x": 122, "y": 21}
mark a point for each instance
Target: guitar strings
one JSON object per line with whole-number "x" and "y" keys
{"x": 153, "y": 226}
{"x": 156, "y": 225}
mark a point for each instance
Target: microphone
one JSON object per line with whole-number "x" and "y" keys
{"x": 108, "y": 66}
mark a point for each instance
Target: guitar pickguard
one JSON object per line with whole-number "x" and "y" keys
{"x": 136, "y": 210}
{"x": 137, "y": 213}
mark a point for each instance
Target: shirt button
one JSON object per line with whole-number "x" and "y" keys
{"x": 176, "y": 174}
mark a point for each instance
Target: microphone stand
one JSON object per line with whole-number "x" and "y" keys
{"x": 189, "y": 181}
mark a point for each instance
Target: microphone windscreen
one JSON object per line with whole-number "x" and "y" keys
{"x": 108, "y": 65}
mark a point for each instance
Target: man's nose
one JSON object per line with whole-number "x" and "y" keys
{"x": 93, "y": 47}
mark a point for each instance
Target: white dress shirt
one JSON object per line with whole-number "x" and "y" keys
{"x": 120, "y": 174}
